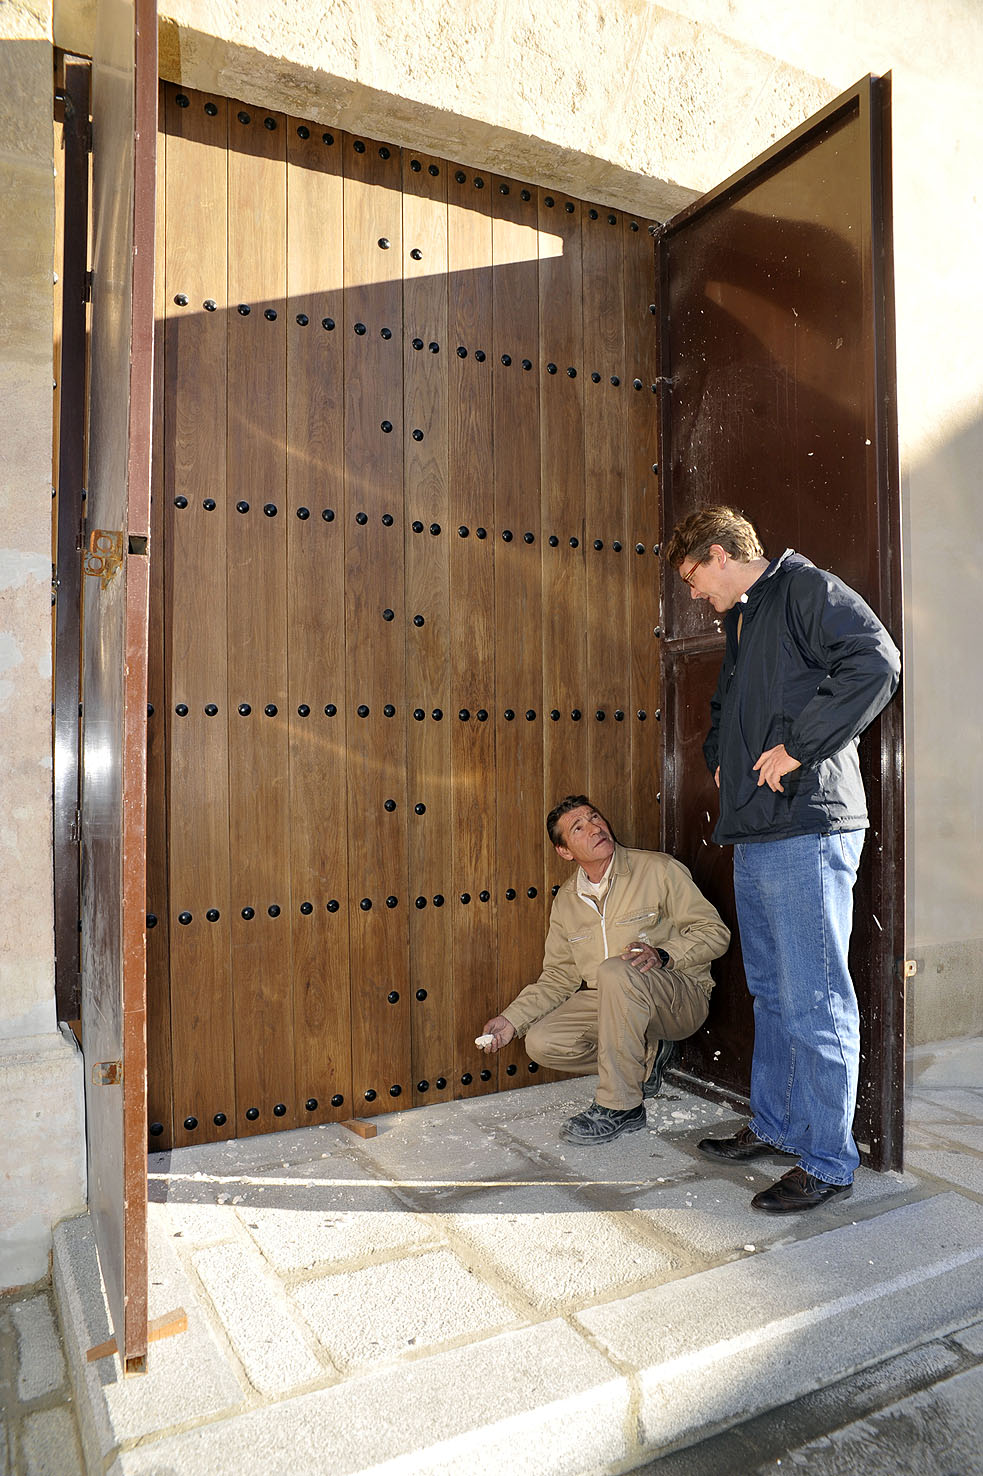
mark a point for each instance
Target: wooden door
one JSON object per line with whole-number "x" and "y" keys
{"x": 114, "y": 668}
{"x": 406, "y": 491}
{"x": 777, "y": 354}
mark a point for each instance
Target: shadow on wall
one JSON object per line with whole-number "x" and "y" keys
{"x": 944, "y": 716}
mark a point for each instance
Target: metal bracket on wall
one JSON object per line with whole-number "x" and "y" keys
{"x": 907, "y": 968}
{"x": 104, "y": 555}
{"x": 107, "y": 1073}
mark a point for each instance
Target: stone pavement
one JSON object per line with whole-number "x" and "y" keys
{"x": 466, "y": 1294}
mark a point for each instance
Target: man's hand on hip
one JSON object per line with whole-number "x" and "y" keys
{"x": 773, "y": 765}
{"x": 642, "y": 956}
{"x": 501, "y": 1031}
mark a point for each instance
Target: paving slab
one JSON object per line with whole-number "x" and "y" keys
{"x": 716, "y": 1348}
{"x": 382, "y": 1312}
{"x": 41, "y": 1363}
{"x": 296, "y": 1241}
{"x": 190, "y": 1373}
{"x": 49, "y": 1444}
{"x": 964, "y": 1169}
{"x": 639, "y": 1157}
{"x": 269, "y": 1340}
{"x": 440, "y": 1149}
{"x": 527, "y": 1402}
{"x": 938, "y": 1432}
{"x": 558, "y": 1254}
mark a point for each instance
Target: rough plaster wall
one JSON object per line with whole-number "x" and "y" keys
{"x": 643, "y": 105}
{"x": 623, "y": 101}
{"x": 26, "y": 222}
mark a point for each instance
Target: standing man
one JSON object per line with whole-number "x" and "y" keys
{"x": 626, "y": 972}
{"x": 807, "y": 666}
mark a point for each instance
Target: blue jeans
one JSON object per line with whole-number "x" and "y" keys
{"x": 795, "y": 909}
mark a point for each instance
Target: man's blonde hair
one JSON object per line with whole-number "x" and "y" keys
{"x": 692, "y": 538}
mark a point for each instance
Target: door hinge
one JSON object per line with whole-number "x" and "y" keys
{"x": 104, "y": 555}
{"x": 87, "y": 286}
{"x": 107, "y": 1073}
{"x": 907, "y": 968}
{"x": 75, "y": 829}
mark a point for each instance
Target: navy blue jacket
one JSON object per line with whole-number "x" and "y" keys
{"x": 813, "y": 668}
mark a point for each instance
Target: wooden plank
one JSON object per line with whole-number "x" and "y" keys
{"x": 605, "y": 412}
{"x": 376, "y": 687}
{"x": 519, "y": 794}
{"x": 195, "y": 344}
{"x": 427, "y": 620}
{"x": 257, "y": 540}
{"x": 564, "y": 575}
{"x": 472, "y": 628}
{"x": 643, "y": 530}
{"x": 166, "y": 1326}
{"x": 314, "y": 509}
{"x": 159, "y": 1059}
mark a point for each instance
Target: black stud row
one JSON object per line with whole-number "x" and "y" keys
{"x": 211, "y": 709}
{"x": 252, "y": 1114}
{"x": 271, "y": 509}
{"x": 244, "y": 309}
{"x": 274, "y": 910}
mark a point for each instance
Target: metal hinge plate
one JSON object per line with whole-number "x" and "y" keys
{"x": 107, "y": 1073}
{"x": 104, "y": 554}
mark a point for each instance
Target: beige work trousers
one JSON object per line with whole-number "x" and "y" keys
{"x": 616, "y": 1028}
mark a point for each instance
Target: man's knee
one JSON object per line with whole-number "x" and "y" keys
{"x": 617, "y": 975}
{"x": 538, "y": 1041}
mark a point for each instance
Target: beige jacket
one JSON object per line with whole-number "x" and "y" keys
{"x": 652, "y": 897}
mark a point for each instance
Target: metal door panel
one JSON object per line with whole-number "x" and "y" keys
{"x": 124, "y": 103}
{"x": 776, "y": 313}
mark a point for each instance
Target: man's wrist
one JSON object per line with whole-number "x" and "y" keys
{"x": 664, "y": 959}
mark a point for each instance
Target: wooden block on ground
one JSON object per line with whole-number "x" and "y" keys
{"x": 360, "y": 1126}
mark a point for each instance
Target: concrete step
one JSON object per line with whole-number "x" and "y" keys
{"x": 597, "y": 1389}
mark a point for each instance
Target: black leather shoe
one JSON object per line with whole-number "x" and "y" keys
{"x": 652, "y": 1085}
{"x": 798, "y": 1190}
{"x": 744, "y": 1144}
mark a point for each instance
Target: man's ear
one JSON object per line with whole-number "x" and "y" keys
{"x": 715, "y": 551}
{"x": 563, "y": 853}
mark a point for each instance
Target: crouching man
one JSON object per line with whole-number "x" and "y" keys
{"x": 625, "y": 975}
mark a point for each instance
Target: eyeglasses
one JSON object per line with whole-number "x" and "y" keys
{"x": 688, "y": 578}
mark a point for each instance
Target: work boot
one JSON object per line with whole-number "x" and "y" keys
{"x": 653, "y": 1083}
{"x": 598, "y": 1124}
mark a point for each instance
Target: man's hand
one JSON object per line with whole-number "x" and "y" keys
{"x": 642, "y": 956}
{"x": 716, "y": 777}
{"x": 773, "y": 764}
{"x": 501, "y": 1031}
